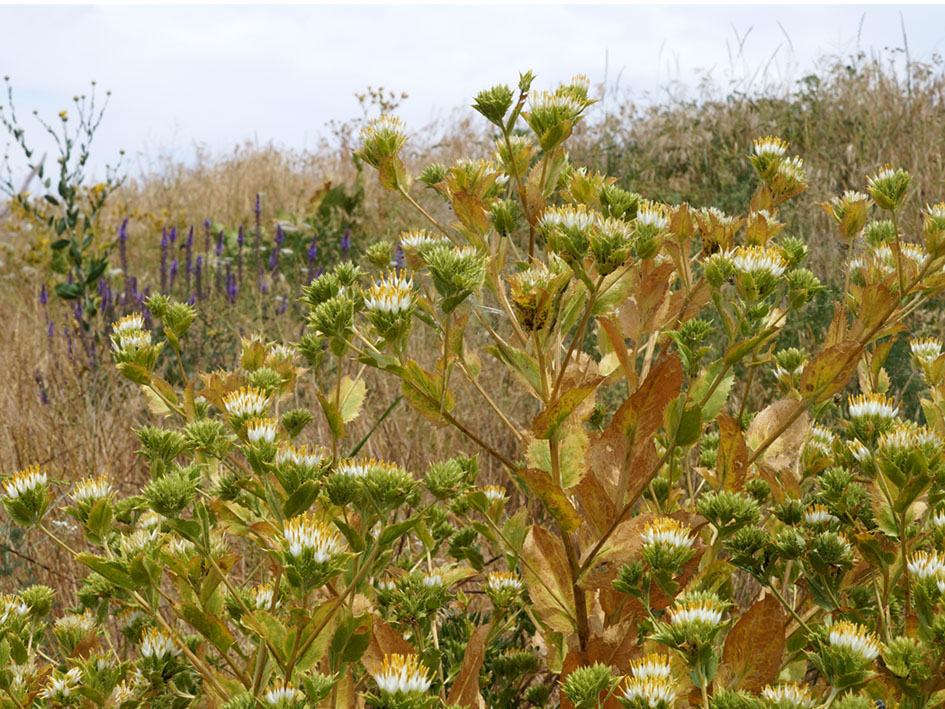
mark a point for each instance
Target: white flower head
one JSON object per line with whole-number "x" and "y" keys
{"x": 872, "y": 406}
{"x": 494, "y": 493}
{"x": 60, "y": 687}
{"x": 502, "y": 581}
{"x": 652, "y": 665}
{"x": 24, "y": 482}
{"x": 926, "y": 349}
{"x": 759, "y": 260}
{"x": 569, "y": 218}
{"x": 788, "y": 696}
{"x": 818, "y": 514}
{"x": 262, "y": 429}
{"x": 158, "y": 645}
{"x": 821, "y": 440}
{"x": 854, "y": 637}
{"x": 668, "y": 533}
{"x": 281, "y": 694}
{"x": 306, "y": 534}
{"x": 246, "y": 402}
{"x": 654, "y": 691}
{"x": 401, "y": 674}
{"x": 433, "y": 579}
{"x": 91, "y": 490}
{"x": 393, "y": 294}
{"x": 769, "y": 146}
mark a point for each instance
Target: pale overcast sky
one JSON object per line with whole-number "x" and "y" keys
{"x": 218, "y": 75}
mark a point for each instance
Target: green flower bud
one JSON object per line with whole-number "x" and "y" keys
{"x": 617, "y": 203}
{"x": 803, "y": 285}
{"x": 888, "y": 187}
{"x": 494, "y": 103}
{"x": 728, "y": 511}
{"x": 172, "y": 493}
{"x": 585, "y": 685}
{"x": 38, "y": 599}
{"x": 505, "y": 214}
{"x": 434, "y": 174}
{"x": 295, "y": 420}
{"x": 880, "y": 232}
{"x": 457, "y": 273}
{"x": 379, "y": 254}
{"x": 444, "y": 479}
{"x": 178, "y": 318}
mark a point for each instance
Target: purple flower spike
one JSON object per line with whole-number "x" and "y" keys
{"x": 274, "y": 258}
{"x": 257, "y": 210}
{"x": 219, "y": 250}
{"x": 172, "y": 234}
{"x": 198, "y": 277}
{"x": 173, "y": 273}
{"x": 312, "y": 252}
{"x": 206, "y": 235}
{"x": 123, "y": 231}
{"x": 345, "y": 243}
{"x": 280, "y": 235}
{"x": 283, "y": 305}
{"x": 50, "y": 329}
{"x": 43, "y": 295}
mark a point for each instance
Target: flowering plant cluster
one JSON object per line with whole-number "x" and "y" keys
{"x": 713, "y": 519}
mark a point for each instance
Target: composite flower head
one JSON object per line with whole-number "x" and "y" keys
{"x": 494, "y": 493}
{"x": 875, "y": 408}
{"x": 787, "y": 696}
{"x": 388, "y": 304}
{"x": 849, "y": 210}
{"x": 307, "y": 536}
{"x": 62, "y": 688}
{"x": 928, "y": 568}
{"x": 888, "y": 187}
{"x": 533, "y": 293}
{"x": 90, "y": 490}
{"x": 856, "y": 639}
{"x": 925, "y": 350}
{"x": 821, "y": 440}
{"x": 246, "y": 403}
{"x": 651, "y": 665}
{"x": 503, "y": 588}
{"x": 158, "y": 646}
{"x": 567, "y": 230}
{"x": 667, "y": 544}
{"x": 26, "y": 495}
{"x": 650, "y": 692}
{"x": 281, "y": 695}
{"x": 552, "y": 114}
{"x": 381, "y": 140}
{"x": 401, "y": 675}
{"x": 129, "y": 334}
{"x": 817, "y": 515}
{"x": 262, "y": 430}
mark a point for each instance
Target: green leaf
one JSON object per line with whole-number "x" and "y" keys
{"x": 350, "y": 640}
{"x": 351, "y": 399}
{"x": 396, "y": 531}
{"x": 301, "y": 499}
{"x": 111, "y": 570}
{"x": 546, "y": 423}
{"x": 355, "y": 540}
{"x": 211, "y": 627}
{"x": 100, "y": 519}
{"x": 332, "y": 416}
{"x": 552, "y": 497}
{"x": 68, "y": 291}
